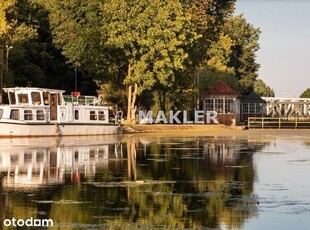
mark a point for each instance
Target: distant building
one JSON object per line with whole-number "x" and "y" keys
{"x": 287, "y": 107}
{"x": 252, "y": 105}
{"x": 231, "y": 109}
{"x": 225, "y": 101}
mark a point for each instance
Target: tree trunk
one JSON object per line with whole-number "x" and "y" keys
{"x": 133, "y": 103}
{"x": 129, "y": 104}
{"x": 132, "y": 95}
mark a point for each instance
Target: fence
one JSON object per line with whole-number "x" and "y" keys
{"x": 278, "y": 123}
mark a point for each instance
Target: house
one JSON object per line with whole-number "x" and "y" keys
{"x": 225, "y": 101}
{"x": 252, "y": 105}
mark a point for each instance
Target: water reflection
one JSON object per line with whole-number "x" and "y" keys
{"x": 130, "y": 182}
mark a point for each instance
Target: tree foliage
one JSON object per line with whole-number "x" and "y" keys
{"x": 151, "y": 35}
{"x": 208, "y": 18}
{"x": 245, "y": 39}
{"x": 149, "y": 48}
{"x": 261, "y": 89}
{"x": 305, "y": 94}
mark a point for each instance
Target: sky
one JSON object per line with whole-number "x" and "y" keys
{"x": 284, "y": 54}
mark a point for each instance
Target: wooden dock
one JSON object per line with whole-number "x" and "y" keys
{"x": 278, "y": 123}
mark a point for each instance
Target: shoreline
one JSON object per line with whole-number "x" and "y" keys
{"x": 209, "y": 130}
{"x": 138, "y": 128}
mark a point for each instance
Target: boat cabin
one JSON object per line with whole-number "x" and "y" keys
{"x": 45, "y": 105}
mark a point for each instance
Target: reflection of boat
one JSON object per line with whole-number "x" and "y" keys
{"x": 45, "y": 112}
{"x": 26, "y": 166}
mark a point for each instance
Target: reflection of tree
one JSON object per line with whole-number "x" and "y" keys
{"x": 167, "y": 182}
{"x": 131, "y": 159}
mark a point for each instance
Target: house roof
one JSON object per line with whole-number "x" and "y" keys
{"x": 253, "y": 98}
{"x": 221, "y": 89}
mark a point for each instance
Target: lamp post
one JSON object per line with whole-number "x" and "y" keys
{"x": 7, "y": 59}
{"x": 75, "y": 77}
{"x": 1, "y": 74}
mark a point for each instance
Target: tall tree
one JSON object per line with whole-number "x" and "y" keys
{"x": 76, "y": 31}
{"x": 152, "y": 35}
{"x": 243, "y": 57}
{"x": 208, "y": 18}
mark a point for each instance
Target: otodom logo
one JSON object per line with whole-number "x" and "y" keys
{"x": 31, "y": 222}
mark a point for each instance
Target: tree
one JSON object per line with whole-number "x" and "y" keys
{"x": 75, "y": 29}
{"x": 151, "y": 35}
{"x": 208, "y": 18}
{"x": 4, "y": 25}
{"x": 245, "y": 45}
{"x": 305, "y": 94}
{"x": 261, "y": 89}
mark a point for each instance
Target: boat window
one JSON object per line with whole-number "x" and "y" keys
{"x": 12, "y": 98}
{"x": 101, "y": 115}
{"x": 14, "y": 114}
{"x": 59, "y": 97}
{"x": 36, "y": 99}
{"x": 76, "y": 115}
{"x": 23, "y": 98}
{"x": 93, "y": 115}
{"x": 46, "y": 98}
{"x": 28, "y": 115}
{"x": 40, "y": 115}
{"x": 1, "y": 113}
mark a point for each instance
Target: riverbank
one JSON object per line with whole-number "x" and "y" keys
{"x": 137, "y": 128}
{"x": 210, "y": 130}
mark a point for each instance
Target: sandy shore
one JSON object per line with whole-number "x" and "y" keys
{"x": 211, "y": 130}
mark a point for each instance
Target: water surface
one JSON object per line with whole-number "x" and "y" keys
{"x": 154, "y": 182}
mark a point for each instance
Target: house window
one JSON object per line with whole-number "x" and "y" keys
{"x": 14, "y": 114}
{"x": 40, "y": 115}
{"x": 101, "y": 115}
{"x": 209, "y": 104}
{"x": 229, "y": 105}
{"x": 252, "y": 108}
{"x": 219, "y": 105}
{"x": 259, "y": 108}
{"x": 93, "y": 116}
{"x": 245, "y": 108}
{"x": 28, "y": 115}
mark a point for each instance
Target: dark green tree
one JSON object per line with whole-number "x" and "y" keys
{"x": 305, "y": 94}
{"x": 245, "y": 39}
{"x": 33, "y": 59}
{"x": 261, "y": 89}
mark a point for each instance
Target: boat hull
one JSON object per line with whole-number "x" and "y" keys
{"x": 56, "y": 129}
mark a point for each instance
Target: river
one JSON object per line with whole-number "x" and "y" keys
{"x": 157, "y": 182}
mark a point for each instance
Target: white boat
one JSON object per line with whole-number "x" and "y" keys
{"x": 47, "y": 112}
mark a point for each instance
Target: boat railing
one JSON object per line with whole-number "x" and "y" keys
{"x": 81, "y": 100}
